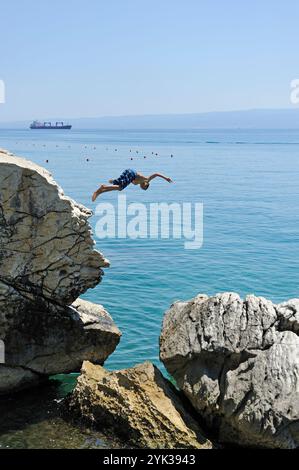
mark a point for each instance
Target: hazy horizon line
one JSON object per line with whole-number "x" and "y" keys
{"x": 119, "y": 116}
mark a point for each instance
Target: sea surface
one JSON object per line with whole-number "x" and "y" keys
{"x": 247, "y": 181}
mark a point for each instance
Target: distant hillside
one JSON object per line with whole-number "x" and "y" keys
{"x": 251, "y": 119}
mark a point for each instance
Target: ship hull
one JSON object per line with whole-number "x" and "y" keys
{"x": 51, "y": 127}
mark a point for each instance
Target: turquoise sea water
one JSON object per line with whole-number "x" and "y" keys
{"x": 248, "y": 183}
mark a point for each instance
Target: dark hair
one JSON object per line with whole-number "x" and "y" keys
{"x": 144, "y": 186}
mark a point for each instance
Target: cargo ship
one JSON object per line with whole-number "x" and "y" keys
{"x": 49, "y": 125}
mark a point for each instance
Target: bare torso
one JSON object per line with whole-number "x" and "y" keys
{"x": 139, "y": 179}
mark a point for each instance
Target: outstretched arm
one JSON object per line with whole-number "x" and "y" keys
{"x": 158, "y": 175}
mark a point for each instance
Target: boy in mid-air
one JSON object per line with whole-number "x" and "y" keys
{"x": 127, "y": 177}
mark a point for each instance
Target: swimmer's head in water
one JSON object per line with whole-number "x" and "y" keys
{"x": 144, "y": 185}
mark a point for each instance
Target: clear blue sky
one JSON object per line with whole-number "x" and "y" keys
{"x": 77, "y": 58}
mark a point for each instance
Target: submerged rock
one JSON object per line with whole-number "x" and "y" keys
{"x": 47, "y": 260}
{"x": 138, "y": 404}
{"x": 238, "y": 363}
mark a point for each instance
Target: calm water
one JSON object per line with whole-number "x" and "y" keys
{"x": 248, "y": 183}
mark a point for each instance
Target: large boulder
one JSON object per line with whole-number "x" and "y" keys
{"x": 46, "y": 246}
{"x": 237, "y": 361}
{"x": 47, "y": 259}
{"x": 137, "y": 404}
{"x": 54, "y": 341}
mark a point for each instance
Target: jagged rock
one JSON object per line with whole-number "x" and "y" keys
{"x": 138, "y": 404}
{"x": 45, "y": 240}
{"x": 47, "y": 260}
{"x": 48, "y": 342}
{"x": 238, "y": 363}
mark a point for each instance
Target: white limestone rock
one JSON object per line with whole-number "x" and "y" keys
{"x": 238, "y": 363}
{"x": 47, "y": 259}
